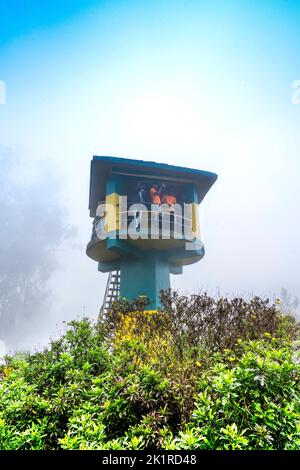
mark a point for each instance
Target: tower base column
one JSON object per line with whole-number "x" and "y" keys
{"x": 145, "y": 277}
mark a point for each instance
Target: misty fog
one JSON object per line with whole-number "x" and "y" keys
{"x": 34, "y": 222}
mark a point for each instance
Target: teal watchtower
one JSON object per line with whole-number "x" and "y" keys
{"x": 145, "y": 222}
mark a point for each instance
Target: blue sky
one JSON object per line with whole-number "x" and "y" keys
{"x": 206, "y": 84}
{"x": 19, "y": 18}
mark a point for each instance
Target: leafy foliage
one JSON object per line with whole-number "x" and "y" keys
{"x": 201, "y": 374}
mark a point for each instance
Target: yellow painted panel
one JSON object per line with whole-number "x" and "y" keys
{"x": 112, "y": 222}
{"x": 195, "y": 221}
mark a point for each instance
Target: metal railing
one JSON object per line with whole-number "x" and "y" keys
{"x": 158, "y": 222}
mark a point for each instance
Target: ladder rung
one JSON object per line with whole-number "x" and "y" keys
{"x": 111, "y": 292}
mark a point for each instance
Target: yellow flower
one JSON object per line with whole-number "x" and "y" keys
{"x": 6, "y": 371}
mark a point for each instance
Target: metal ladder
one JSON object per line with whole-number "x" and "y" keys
{"x": 112, "y": 292}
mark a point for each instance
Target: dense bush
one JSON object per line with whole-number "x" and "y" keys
{"x": 201, "y": 374}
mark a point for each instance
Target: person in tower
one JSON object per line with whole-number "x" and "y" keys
{"x": 155, "y": 193}
{"x": 169, "y": 197}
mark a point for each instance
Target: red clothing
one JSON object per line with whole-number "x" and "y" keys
{"x": 155, "y": 197}
{"x": 169, "y": 199}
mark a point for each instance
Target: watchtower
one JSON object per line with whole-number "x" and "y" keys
{"x": 145, "y": 222}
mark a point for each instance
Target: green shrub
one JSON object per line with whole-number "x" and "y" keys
{"x": 201, "y": 374}
{"x": 247, "y": 401}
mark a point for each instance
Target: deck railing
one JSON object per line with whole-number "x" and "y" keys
{"x": 158, "y": 223}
